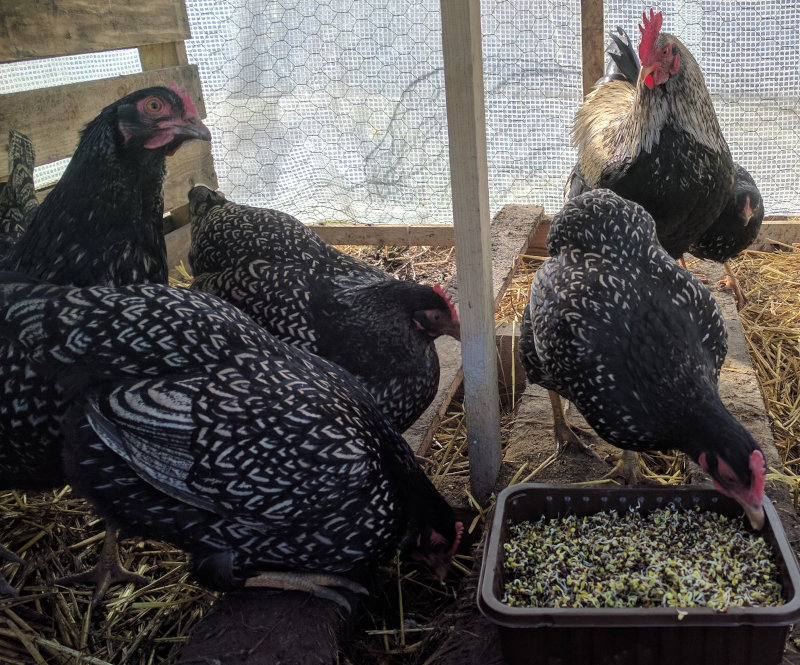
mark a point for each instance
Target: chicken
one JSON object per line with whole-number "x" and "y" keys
{"x": 101, "y": 224}
{"x": 192, "y": 424}
{"x": 655, "y": 139}
{"x": 17, "y": 195}
{"x": 636, "y": 342}
{"x": 734, "y": 230}
{"x": 310, "y": 294}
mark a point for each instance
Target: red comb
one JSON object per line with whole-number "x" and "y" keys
{"x": 650, "y": 27}
{"x": 188, "y": 104}
{"x": 438, "y": 289}
{"x": 757, "y": 467}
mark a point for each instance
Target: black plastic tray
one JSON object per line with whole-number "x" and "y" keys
{"x": 636, "y": 636}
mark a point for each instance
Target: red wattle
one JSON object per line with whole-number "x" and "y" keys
{"x": 648, "y": 81}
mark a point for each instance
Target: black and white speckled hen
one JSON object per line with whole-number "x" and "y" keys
{"x": 18, "y": 194}
{"x": 636, "y": 342}
{"x": 734, "y": 230}
{"x": 310, "y": 294}
{"x": 198, "y": 427}
{"x": 650, "y": 133}
{"x": 101, "y": 224}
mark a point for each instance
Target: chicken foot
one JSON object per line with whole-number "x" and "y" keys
{"x": 109, "y": 570}
{"x": 317, "y": 584}
{"x": 627, "y": 468}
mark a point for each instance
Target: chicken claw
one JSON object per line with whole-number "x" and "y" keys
{"x": 109, "y": 570}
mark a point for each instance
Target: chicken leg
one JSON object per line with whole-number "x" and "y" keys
{"x": 565, "y": 432}
{"x": 730, "y": 282}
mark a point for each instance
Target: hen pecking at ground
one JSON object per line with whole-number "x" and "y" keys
{"x": 310, "y": 294}
{"x": 636, "y": 342}
{"x": 191, "y": 424}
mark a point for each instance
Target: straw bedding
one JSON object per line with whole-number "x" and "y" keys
{"x": 56, "y": 534}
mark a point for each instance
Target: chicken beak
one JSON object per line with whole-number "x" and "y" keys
{"x": 454, "y": 330}
{"x": 646, "y": 75}
{"x": 755, "y": 514}
{"x": 193, "y": 128}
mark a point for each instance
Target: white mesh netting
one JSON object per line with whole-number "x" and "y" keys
{"x": 335, "y": 109}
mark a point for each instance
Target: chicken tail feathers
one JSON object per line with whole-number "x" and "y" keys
{"x": 17, "y": 196}
{"x": 624, "y": 64}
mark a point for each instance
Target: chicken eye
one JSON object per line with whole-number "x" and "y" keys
{"x": 153, "y": 104}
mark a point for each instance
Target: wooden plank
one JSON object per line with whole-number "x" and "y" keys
{"x": 466, "y": 128}
{"x": 592, "y": 42}
{"x": 785, "y": 231}
{"x": 159, "y": 56}
{"x": 178, "y": 243}
{"x": 32, "y": 29}
{"x": 431, "y": 235}
{"x": 53, "y": 117}
{"x": 538, "y": 243}
{"x": 191, "y": 165}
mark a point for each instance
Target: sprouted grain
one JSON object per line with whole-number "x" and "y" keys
{"x": 669, "y": 557}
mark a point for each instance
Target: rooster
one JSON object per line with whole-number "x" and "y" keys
{"x": 636, "y": 342}
{"x": 18, "y": 195}
{"x": 192, "y": 424}
{"x": 101, "y": 224}
{"x": 734, "y": 230}
{"x": 649, "y": 132}
{"x": 310, "y": 294}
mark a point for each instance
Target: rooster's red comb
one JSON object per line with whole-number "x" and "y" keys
{"x": 440, "y": 290}
{"x": 649, "y": 27}
{"x": 188, "y": 104}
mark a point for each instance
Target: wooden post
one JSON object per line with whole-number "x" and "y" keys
{"x": 592, "y": 42}
{"x": 466, "y": 127}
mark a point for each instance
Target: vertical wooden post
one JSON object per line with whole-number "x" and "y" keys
{"x": 592, "y": 42}
{"x": 466, "y": 128}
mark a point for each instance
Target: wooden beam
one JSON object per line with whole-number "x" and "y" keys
{"x": 32, "y": 29}
{"x": 592, "y": 42}
{"x": 53, "y": 117}
{"x": 159, "y": 56}
{"x": 785, "y": 231}
{"x": 431, "y": 235}
{"x": 191, "y": 165}
{"x": 466, "y": 129}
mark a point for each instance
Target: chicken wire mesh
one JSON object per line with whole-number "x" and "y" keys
{"x": 335, "y": 109}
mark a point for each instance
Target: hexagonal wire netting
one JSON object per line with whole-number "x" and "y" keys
{"x": 335, "y": 109}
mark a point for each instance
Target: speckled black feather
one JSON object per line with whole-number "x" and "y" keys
{"x": 310, "y": 294}
{"x": 18, "y": 194}
{"x": 192, "y": 424}
{"x": 633, "y": 340}
{"x": 733, "y": 232}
